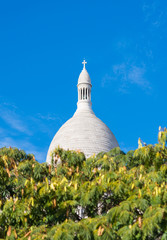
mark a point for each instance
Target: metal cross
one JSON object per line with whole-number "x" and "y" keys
{"x": 84, "y": 62}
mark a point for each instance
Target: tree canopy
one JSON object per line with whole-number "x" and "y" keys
{"x": 109, "y": 196}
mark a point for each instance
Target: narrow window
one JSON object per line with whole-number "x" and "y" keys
{"x": 81, "y": 93}
{"x": 84, "y": 93}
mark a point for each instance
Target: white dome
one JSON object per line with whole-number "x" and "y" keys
{"x": 84, "y": 131}
{"x": 84, "y": 77}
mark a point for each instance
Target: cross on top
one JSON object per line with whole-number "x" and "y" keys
{"x": 84, "y": 62}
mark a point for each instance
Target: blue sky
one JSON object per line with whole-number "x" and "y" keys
{"x": 42, "y": 45}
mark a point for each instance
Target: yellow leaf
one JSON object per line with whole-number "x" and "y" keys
{"x": 32, "y": 180}
{"x": 49, "y": 169}
{"x": 156, "y": 191}
{"x": 100, "y": 231}
{"x": 105, "y": 157}
{"x": 47, "y": 183}
{"x": 52, "y": 186}
{"x": 32, "y": 201}
{"x": 140, "y": 222}
{"x": 15, "y": 201}
{"x": 75, "y": 186}
{"x": 99, "y": 180}
{"x": 139, "y": 143}
{"x": 15, "y": 234}
{"x": 14, "y": 208}
{"x": 140, "y": 177}
{"x": 54, "y": 202}
{"x": 8, "y": 172}
{"x": 140, "y": 193}
{"x": 9, "y": 231}
{"x": 25, "y": 184}
{"x": 22, "y": 191}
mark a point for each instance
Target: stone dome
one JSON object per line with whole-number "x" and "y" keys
{"x": 84, "y": 77}
{"x": 84, "y": 131}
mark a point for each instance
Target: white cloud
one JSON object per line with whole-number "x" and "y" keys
{"x": 8, "y": 113}
{"x": 136, "y": 76}
{"x": 30, "y": 133}
{"x": 127, "y": 75}
{"x": 49, "y": 117}
{"x": 11, "y": 115}
{"x": 14, "y": 121}
{"x": 46, "y": 117}
{"x": 154, "y": 12}
{"x": 6, "y": 142}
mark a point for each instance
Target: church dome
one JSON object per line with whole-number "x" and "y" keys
{"x": 84, "y": 131}
{"x": 84, "y": 77}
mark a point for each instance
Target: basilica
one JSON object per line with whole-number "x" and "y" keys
{"x": 84, "y": 131}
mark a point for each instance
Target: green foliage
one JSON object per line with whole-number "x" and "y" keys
{"x": 111, "y": 196}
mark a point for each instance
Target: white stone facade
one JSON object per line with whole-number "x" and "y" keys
{"x": 84, "y": 131}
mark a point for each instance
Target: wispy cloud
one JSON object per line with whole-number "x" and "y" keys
{"x": 48, "y": 117}
{"x": 14, "y": 120}
{"x": 17, "y": 121}
{"x": 127, "y": 75}
{"x": 154, "y": 12}
{"x": 30, "y": 133}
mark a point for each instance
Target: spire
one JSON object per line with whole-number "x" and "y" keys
{"x": 84, "y": 75}
{"x": 84, "y": 62}
{"x": 84, "y": 89}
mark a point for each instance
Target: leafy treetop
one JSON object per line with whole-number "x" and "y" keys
{"x": 109, "y": 196}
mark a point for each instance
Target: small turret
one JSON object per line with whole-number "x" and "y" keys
{"x": 84, "y": 89}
